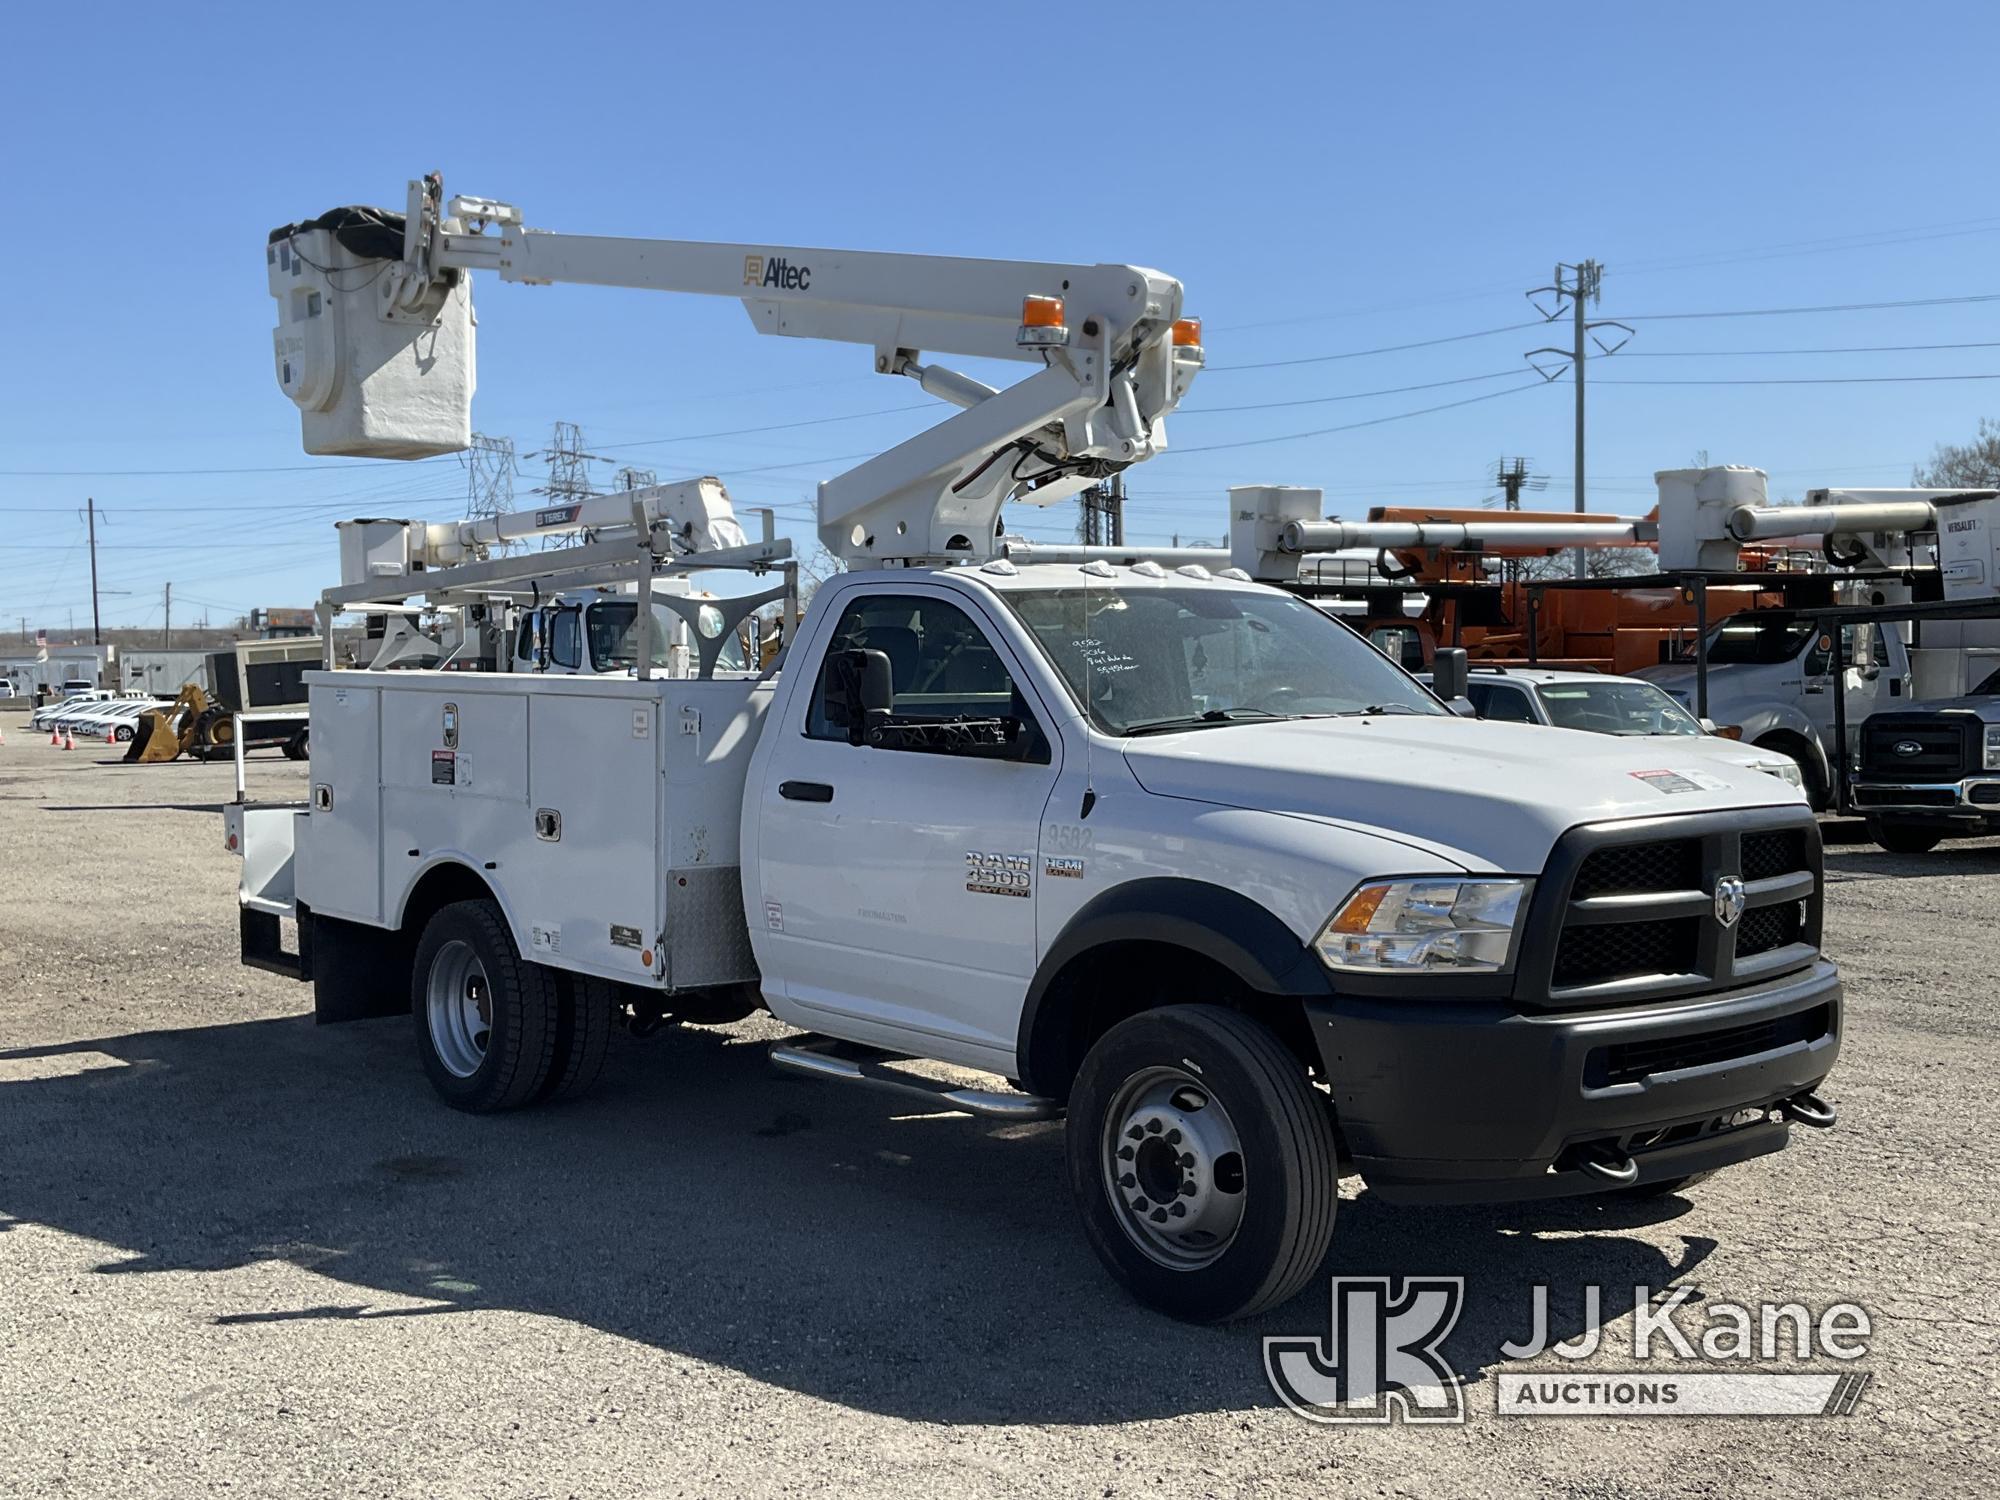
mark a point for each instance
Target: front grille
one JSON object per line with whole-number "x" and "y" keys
{"x": 1915, "y": 796}
{"x": 1622, "y": 869}
{"x": 1778, "y": 852}
{"x": 1631, "y": 1062}
{"x": 1766, "y": 927}
{"x": 1630, "y": 913}
{"x": 1942, "y": 747}
{"x": 1625, "y": 950}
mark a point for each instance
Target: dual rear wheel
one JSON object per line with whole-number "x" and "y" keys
{"x": 494, "y": 1030}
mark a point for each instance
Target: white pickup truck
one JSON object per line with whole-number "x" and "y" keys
{"x": 1171, "y": 853}
{"x": 1164, "y": 851}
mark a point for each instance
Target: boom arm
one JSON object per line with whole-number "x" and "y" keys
{"x": 1114, "y": 353}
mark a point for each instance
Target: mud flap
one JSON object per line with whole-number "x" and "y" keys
{"x": 359, "y": 973}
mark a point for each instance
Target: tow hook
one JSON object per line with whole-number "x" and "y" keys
{"x": 1608, "y": 1165}
{"x": 1809, "y": 1109}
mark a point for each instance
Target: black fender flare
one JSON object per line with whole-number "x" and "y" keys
{"x": 1220, "y": 924}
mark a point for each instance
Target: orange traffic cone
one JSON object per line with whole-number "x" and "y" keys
{"x": 55, "y": 736}
{"x": 69, "y": 740}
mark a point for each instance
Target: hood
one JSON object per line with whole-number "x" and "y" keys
{"x": 1490, "y": 796}
{"x": 1985, "y": 705}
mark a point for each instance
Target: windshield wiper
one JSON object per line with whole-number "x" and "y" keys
{"x": 1202, "y": 720}
{"x": 1379, "y": 708}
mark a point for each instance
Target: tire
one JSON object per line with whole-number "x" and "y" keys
{"x": 486, "y": 1018}
{"x": 584, "y": 1014}
{"x": 1268, "y": 1234}
{"x": 1666, "y": 1187}
{"x": 122, "y": 734}
{"x": 298, "y": 747}
{"x": 1904, "y": 838}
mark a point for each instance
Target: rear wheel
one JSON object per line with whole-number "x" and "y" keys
{"x": 1904, "y": 838}
{"x": 486, "y": 1018}
{"x": 298, "y": 746}
{"x": 1202, "y": 1161}
{"x": 583, "y": 1028}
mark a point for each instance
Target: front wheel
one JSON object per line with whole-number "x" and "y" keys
{"x": 1904, "y": 838}
{"x": 486, "y": 1018}
{"x": 1202, "y": 1161}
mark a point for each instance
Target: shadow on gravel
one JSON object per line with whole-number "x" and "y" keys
{"x": 925, "y": 1267}
{"x": 119, "y": 807}
{"x": 1948, "y": 859}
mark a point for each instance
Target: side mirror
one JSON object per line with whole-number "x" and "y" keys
{"x": 1708, "y": 726}
{"x": 1448, "y": 673}
{"x": 860, "y": 690}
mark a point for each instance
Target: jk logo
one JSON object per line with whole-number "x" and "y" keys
{"x": 1379, "y": 1357}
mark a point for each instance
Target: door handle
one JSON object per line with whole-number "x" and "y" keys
{"x": 805, "y": 791}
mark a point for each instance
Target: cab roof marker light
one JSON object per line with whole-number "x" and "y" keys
{"x": 1193, "y": 570}
{"x": 1098, "y": 568}
{"x": 1149, "y": 570}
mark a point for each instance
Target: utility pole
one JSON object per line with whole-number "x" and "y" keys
{"x": 167, "y": 621}
{"x": 96, "y": 627}
{"x": 1579, "y": 285}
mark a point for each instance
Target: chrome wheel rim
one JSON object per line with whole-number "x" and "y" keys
{"x": 1173, "y": 1168}
{"x": 458, "y": 1004}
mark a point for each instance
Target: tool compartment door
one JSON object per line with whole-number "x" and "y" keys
{"x": 338, "y": 869}
{"x": 592, "y": 898}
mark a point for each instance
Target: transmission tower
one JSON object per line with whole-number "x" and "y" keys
{"x": 489, "y": 477}
{"x": 1101, "y": 522}
{"x": 635, "y": 479}
{"x": 1512, "y": 475}
{"x": 569, "y": 472}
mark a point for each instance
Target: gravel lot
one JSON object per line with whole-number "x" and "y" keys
{"x": 245, "y": 1254}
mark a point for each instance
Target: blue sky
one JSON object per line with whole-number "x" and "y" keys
{"x": 1325, "y": 179}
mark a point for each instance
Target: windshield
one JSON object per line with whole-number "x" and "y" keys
{"x": 1616, "y": 708}
{"x": 1150, "y": 659}
{"x": 1755, "y": 638}
{"x": 614, "y": 643}
{"x": 1991, "y": 686}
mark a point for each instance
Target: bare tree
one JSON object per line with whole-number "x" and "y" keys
{"x": 1598, "y": 562}
{"x": 1963, "y": 466}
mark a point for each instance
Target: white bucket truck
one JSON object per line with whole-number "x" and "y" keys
{"x": 1157, "y": 848}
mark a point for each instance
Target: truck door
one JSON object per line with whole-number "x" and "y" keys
{"x": 898, "y": 884}
{"x": 1869, "y": 669}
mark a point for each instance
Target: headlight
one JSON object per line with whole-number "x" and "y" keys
{"x": 1425, "y": 926}
{"x": 1992, "y": 757}
{"x": 1785, "y": 768}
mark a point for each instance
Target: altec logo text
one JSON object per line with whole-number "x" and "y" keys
{"x": 776, "y": 271}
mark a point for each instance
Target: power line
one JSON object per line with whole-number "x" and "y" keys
{"x": 1320, "y": 359}
{"x": 1833, "y": 307}
{"x": 1848, "y": 349}
{"x": 1394, "y": 390}
{"x": 1811, "y": 380}
{"x": 1287, "y": 437}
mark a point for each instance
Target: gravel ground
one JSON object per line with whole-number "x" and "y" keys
{"x": 244, "y": 1254}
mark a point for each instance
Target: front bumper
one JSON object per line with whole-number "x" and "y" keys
{"x": 1974, "y": 800}
{"x": 1472, "y": 1101}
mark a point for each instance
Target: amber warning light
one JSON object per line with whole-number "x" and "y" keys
{"x": 1042, "y": 322}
